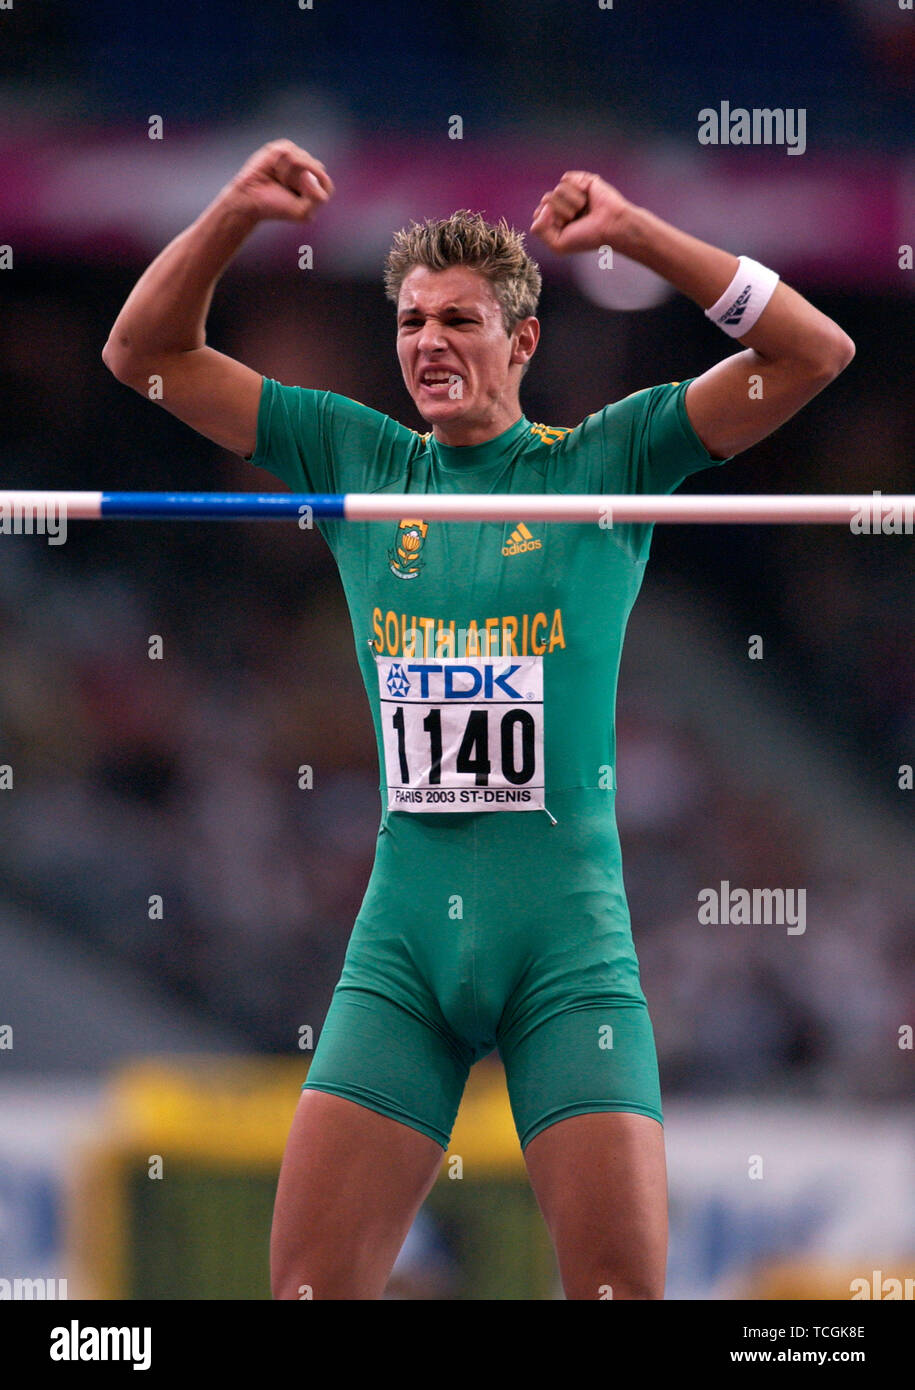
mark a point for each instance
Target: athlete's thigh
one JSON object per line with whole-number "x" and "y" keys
{"x": 351, "y": 1183}
{"x": 601, "y": 1182}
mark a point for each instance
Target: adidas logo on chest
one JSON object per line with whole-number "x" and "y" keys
{"x": 521, "y": 541}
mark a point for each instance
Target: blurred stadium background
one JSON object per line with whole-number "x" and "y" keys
{"x": 179, "y": 1038}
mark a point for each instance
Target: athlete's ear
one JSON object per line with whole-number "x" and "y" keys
{"x": 525, "y": 336}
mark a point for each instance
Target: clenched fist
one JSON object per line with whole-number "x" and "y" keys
{"x": 582, "y": 213}
{"x": 282, "y": 181}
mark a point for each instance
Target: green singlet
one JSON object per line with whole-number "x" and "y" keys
{"x": 495, "y": 915}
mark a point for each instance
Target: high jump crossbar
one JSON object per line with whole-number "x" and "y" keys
{"x": 870, "y": 510}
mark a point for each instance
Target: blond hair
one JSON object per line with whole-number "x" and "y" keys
{"x": 496, "y": 251}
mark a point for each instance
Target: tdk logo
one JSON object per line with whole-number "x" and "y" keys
{"x": 398, "y": 685}
{"x": 466, "y": 682}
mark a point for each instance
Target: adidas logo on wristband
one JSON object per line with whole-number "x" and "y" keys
{"x": 744, "y": 300}
{"x": 737, "y": 309}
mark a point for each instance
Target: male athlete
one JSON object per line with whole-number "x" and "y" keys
{"x": 495, "y": 915}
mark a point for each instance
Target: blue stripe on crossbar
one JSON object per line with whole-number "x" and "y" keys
{"x": 222, "y": 505}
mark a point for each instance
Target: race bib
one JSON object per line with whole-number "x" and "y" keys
{"x": 462, "y": 733}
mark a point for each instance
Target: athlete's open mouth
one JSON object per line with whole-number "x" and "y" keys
{"x": 439, "y": 382}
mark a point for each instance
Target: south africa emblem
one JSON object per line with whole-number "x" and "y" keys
{"x": 405, "y": 556}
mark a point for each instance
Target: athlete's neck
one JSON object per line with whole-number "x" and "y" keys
{"x": 465, "y": 433}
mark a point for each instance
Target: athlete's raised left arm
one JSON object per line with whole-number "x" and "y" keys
{"x": 792, "y": 348}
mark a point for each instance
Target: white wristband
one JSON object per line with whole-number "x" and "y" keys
{"x": 744, "y": 299}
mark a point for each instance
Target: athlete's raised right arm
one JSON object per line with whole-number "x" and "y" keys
{"x": 161, "y": 330}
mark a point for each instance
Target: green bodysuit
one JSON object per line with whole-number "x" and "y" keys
{"x": 495, "y": 915}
